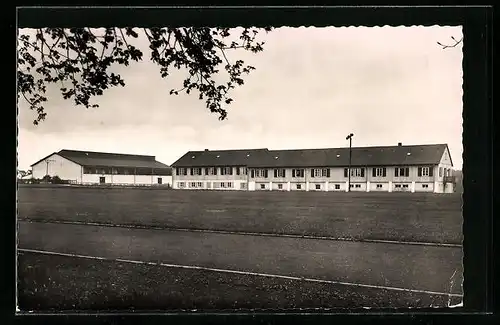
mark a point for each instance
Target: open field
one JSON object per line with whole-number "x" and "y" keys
{"x": 82, "y": 266}
{"x": 387, "y": 216}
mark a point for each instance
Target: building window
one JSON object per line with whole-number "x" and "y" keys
{"x": 337, "y": 186}
{"x": 262, "y": 186}
{"x": 351, "y": 185}
{"x": 358, "y": 185}
{"x": 260, "y": 173}
{"x": 87, "y": 170}
{"x": 398, "y": 185}
{"x": 318, "y": 172}
{"x": 298, "y": 172}
{"x": 160, "y": 180}
{"x": 318, "y": 187}
{"x": 243, "y": 186}
{"x": 279, "y": 173}
{"x": 402, "y": 172}
{"x": 424, "y": 171}
{"x": 379, "y": 185}
{"x": 181, "y": 171}
{"x": 226, "y": 171}
{"x": 280, "y": 186}
{"x": 425, "y": 185}
{"x": 355, "y": 172}
{"x": 405, "y": 185}
{"x": 210, "y": 171}
{"x": 440, "y": 171}
{"x": 196, "y": 171}
{"x": 230, "y": 184}
{"x": 182, "y": 185}
{"x": 241, "y": 171}
{"x": 379, "y": 172}
{"x": 299, "y": 186}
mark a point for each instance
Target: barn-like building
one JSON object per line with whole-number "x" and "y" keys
{"x": 87, "y": 167}
{"x": 411, "y": 168}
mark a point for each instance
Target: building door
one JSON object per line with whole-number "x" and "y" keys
{"x": 160, "y": 180}
{"x": 102, "y": 180}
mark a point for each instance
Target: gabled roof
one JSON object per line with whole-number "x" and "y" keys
{"x": 240, "y": 157}
{"x": 91, "y": 158}
{"x": 328, "y": 157}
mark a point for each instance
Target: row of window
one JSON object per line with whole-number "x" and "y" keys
{"x": 197, "y": 171}
{"x": 300, "y": 172}
{"x": 299, "y": 186}
{"x": 125, "y": 171}
{"x": 243, "y": 186}
{"x": 200, "y": 185}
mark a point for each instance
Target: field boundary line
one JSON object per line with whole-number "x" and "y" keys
{"x": 191, "y": 267}
{"x": 243, "y": 233}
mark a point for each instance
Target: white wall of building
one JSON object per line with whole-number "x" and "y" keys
{"x": 126, "y": 179}
{"x": 59, "y": 166}
{"x": 337, "y": 180}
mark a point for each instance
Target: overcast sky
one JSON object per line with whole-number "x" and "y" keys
{"x": 311, "y": 87}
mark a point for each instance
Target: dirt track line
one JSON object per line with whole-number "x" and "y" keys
{"x": 243, "y": 233}
{"x": 191, "y": 267}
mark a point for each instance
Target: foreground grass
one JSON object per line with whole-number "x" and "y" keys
{"x": 389, "y": 216}
{"x": 63, "y": 283}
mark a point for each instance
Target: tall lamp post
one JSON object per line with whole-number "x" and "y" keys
{"x": 349, "y": 137}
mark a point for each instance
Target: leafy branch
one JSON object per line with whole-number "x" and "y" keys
{"x": 80, "y": 60}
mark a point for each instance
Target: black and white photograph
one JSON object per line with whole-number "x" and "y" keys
{"x": 245, "y": 168}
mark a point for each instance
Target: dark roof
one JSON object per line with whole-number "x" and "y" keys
{"x": 240, "y": 157}
{"x": 90, "y": 158}
{"x": 329, "y": 157}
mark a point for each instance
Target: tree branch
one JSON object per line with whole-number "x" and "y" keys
{"x": 453, "y": 45}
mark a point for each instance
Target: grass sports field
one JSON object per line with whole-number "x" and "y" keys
{"x": 225, "y": 250}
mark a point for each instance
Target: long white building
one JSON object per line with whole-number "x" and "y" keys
{"x": 408, "y": 168}
{"x": 87, "y": 167}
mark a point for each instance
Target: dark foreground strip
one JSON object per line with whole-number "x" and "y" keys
{"x": 240, "y": 272}
{"x": 243, "y": 233}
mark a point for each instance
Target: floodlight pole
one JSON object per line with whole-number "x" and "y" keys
{"x": 349, "y": 137}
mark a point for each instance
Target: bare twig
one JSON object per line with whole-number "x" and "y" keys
{"x": 453, "y": 45}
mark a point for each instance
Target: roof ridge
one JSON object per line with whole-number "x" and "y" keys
{"x": 102, "y": 152}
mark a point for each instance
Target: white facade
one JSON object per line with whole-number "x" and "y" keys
{"x": 410, "y": 174}
{"x": 414, "y": 179}
{"x": 55, "y": 165}
{"x": 65, "y": 169}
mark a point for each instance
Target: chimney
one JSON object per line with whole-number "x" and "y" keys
{"x": 399, "y": 144}
{"x": 206, "y": 149}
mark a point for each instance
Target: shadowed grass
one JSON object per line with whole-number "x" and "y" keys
{"x": 64, "y": 283}
{"x": 389, "y": 216}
